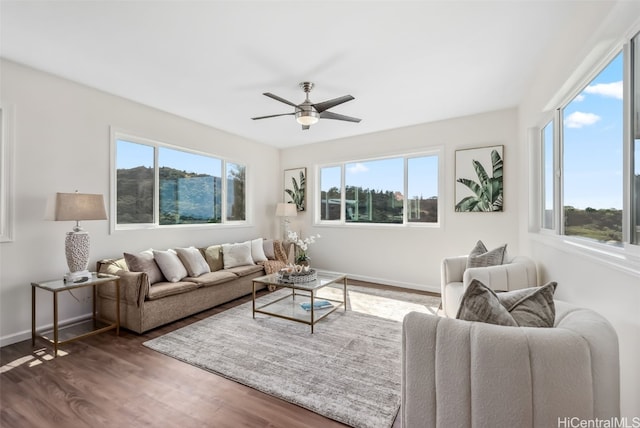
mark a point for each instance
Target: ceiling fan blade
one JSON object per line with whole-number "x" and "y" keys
{"x": 282, "y": 100}
{"x": 272, "y": 115}
{"x": 325, "y": 105}
{"x": 336, "y": 116}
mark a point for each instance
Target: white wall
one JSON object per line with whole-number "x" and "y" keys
{"x": 584, "y": 279}
{"x": 62, "y": 144}
{"x": 411, "y": 256}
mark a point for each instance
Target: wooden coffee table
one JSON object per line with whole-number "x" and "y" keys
{"x": 289, "y": 306}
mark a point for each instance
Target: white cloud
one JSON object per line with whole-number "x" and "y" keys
{"x": 611, "y": 90}
{"x": 579, "y": 119}
{"x": 579, "y": 98}
{"x": 358, "y": 167}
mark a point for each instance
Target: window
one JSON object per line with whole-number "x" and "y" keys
{"x": 548, "y": 172}
{"x": 156, "y": 185}
{"x": 398, "y": 190}
{"x": 596, "y": 150}
{"x": 592, "y": 145}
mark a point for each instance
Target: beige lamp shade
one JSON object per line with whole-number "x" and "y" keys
{"x": 79, "y": 206}
{"x": 286, "y": 210}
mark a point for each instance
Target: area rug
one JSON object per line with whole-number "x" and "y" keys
{"x": 347, "y": 370}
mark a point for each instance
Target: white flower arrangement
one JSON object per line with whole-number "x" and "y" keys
{"x": 302, "y": 245}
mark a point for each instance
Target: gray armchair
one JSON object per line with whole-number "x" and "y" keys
{"x": 519, "y": 272}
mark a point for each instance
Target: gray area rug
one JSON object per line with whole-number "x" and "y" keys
{"x": 347, "y": 370}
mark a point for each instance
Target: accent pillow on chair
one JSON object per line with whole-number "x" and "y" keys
{"x": 527, "y": 307}
{"x": 481, "y": 257}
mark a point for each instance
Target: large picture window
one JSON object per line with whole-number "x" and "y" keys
{"x": 156, "y": 185}
{"x": 395, "y": 190}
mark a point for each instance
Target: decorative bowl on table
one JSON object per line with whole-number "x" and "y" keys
{"x": 296, "y": 274}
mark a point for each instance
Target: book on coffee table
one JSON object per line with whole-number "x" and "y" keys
{"x": 318, "y": 304}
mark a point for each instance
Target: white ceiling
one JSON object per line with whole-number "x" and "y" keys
{"x": 210, "y": 61}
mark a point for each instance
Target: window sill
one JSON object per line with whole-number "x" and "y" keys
{"x": 623, "y": 259}
{"x": 201, "y": 226}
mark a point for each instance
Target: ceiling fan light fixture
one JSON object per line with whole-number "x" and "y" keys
{"x": 307, "y": 118}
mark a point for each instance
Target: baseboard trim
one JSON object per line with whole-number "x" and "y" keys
{"x": 26, "y": 334}
{"x": 400, "y": 284}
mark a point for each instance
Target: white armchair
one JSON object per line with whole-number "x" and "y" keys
{"x": 468, "y": 374}
{"x": 519, "y": 272}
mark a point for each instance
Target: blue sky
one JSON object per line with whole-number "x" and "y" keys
{"x": 593, "y": 145}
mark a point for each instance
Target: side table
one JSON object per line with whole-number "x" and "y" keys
{"x": 79, "y": 330}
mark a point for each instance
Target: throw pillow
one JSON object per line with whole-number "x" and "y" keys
{"x": 257, "y": 252}
{"x": 267, "y": 247}
{"x": 213, "y": 256}
{"x": 193, "y": 261}
{"x": 237, "y": 254}
{"x": 480, "y": 257}
{"x": 480, "y": 303}
{"x": 531, "y": 307}
{"x": 528, "y": 307}
{"x": 144, "y": 262}
{"x": 170, "y": 265}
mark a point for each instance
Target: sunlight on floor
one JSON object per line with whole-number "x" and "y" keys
{"x": 38, "y": 357}
{"x": 384, "y": 306}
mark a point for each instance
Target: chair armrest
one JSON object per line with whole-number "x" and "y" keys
{"x": 452, "y": 269}
{"x": 520, "y": 273}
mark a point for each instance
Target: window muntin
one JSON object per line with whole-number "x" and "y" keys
{"x": 156, "y": 185}
{"x": 592, "y": 142}
{"x": 330, "y": 193}
{"x": 135, "y": 183}
{"x": 375, "y": 191}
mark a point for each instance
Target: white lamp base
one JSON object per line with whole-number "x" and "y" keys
{"x": 75, "y": 276}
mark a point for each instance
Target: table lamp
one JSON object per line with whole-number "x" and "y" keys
{"x": 78, "y": 206}
{"x": 285, "y": 211}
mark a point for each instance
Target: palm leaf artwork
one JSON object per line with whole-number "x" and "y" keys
{"x": 487, "y": 191}
{"x": 297, "y": 191}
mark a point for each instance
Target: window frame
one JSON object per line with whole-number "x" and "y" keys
{"x": 626, "y": 257}
{"x": 341, "y": 222}
{"x": 118, "y": 134}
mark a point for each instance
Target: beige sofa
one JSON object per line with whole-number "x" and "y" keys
{"x": 459, "y": 373}
{"x": 145, "y": 305}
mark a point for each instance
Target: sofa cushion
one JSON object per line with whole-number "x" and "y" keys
{"x": 112, "y": 266}
{"x": 257, "y": 251}
{"x": 237, "y": 254}
{"x": 193, "y": 261}
{"x": 212, "y": 278}
{"x": 164, "y": 289}
{"x": 170, "y": 265}
{"x": 245, "y": 270}
{"x": 213, "y": 256}
{"x": 267, "y": 247}
{"x": 145, "y": 262}
{"x": 480, "y": 257}
{"x": 527, "y": 307}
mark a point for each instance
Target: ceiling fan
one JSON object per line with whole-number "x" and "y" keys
{"x": 308, "y": 113}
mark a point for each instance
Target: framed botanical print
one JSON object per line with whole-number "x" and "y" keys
{"x": 479, "y": 185}
{"x": 295, "y": 186}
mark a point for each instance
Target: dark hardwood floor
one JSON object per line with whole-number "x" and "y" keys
{"x": 104, "y": 381}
